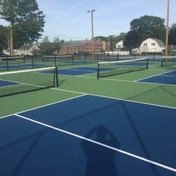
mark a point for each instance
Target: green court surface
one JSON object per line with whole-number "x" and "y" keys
{"x": 123, "y": 86}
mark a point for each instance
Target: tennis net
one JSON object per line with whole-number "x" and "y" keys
{"x": 59, "y": 60}
{"x": 112, "y": 68}
{"x": 168, "y": 61}
{"x": 27, "y": 80}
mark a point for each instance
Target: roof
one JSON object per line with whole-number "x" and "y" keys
{"x": 26, "y": 47}
{"x": 159, "y": 42}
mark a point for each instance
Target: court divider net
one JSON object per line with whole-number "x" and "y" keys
{"x": 105, "y": 69}
{"x": 168, "y": 61}
{"x": 27, "y": 80}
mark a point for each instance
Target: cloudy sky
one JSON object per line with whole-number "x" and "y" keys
{"x": 69, "y": 20}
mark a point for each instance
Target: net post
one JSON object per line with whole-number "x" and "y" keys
{"x": 24, "y": 59}
{"x": 147, "y": 63}
{"x": 72, "y": 58}
{"x": 85, "y": 58}
{"x": 7, "y": 63}
{"x": 56, "y": 82}
{"x": 32, "y": 62}
{"x": 97, "y": 58}
{"x": 117, "y": 56}
{"x": 55, "y": 61}
{"x": 98, "y": 69}
{"x": 162, "y": 62}
{"x": 109, "y": 57}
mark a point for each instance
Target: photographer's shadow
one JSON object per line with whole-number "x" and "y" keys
{"x": 100, "y": 159}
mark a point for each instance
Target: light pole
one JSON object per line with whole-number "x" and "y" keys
{"x": 92, "y": 24}
{"x": 167, "y": 29}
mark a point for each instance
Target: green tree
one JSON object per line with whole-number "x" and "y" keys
{"x": 56, "y": 40}
{"x": 50, "y": 48}
{"x": 46, "y": 39}
{"x": 111, "y": 38}
{"x": 121, "y": 36}
{"x": 3, "y": 38}
{"x": 149, "y": 26}
{"x": 172, "y": 35}
{"x": 132, "y": 39}
{"x": 57, "y": 44}
{"x": 25, "y": 18}
{"x": 118, "y": 38}
{"x": 101, "y": 38}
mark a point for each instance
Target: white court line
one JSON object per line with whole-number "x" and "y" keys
{"x": 101, "y": 144}
{"x": 114, "y": 98}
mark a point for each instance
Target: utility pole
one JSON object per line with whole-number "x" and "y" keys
{"x": 92, "y": 26}
{"x": 167, "y": 29}
{"x": 11, "y": 41}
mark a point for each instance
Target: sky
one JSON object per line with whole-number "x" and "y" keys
{"x": 69, "y": 19}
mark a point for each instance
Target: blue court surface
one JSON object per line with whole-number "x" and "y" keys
{"x": 166, "y": 78}
{"x": 7, "y": 83}
{"x": 89, "y": 136}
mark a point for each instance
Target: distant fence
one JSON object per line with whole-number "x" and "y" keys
{"x": 120, "y": 53}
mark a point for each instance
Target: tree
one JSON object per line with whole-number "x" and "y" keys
{"x": 172, "y": 35}
{"x": 118, "y": 38}
{"x": 121, "y": 36}
{"x": 57, "y": 44}
{"x": 112, "y": 39}
{"x": 3, "y": 37}
{"x": 49, "y": 48}
{"x": 46, "y": 39}
{"x": 101, "y": 38}
{"x": 149, "y": 26}
{"x": 25, "y": 18}
{"x": 56, "y": 40}
{"x": 132, "y": 39}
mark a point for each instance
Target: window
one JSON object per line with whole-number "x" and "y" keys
{"x": 145, "y": 44}
{"x": 153, "y": 44}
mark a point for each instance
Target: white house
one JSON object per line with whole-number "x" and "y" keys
{"x": 119, "y": 45}
{"x": 27, "y": 49}
{"x": 119, "y": 49}
{"x": 152, "y": 45}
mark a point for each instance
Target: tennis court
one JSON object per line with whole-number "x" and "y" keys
{"x": 115, "y": 125}
{"x": 165, "y": 78}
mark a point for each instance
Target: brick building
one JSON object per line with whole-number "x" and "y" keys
{"x": 71, "y": 47}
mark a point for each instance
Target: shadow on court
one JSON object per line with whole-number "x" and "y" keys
{"x": 100, "y": 160}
